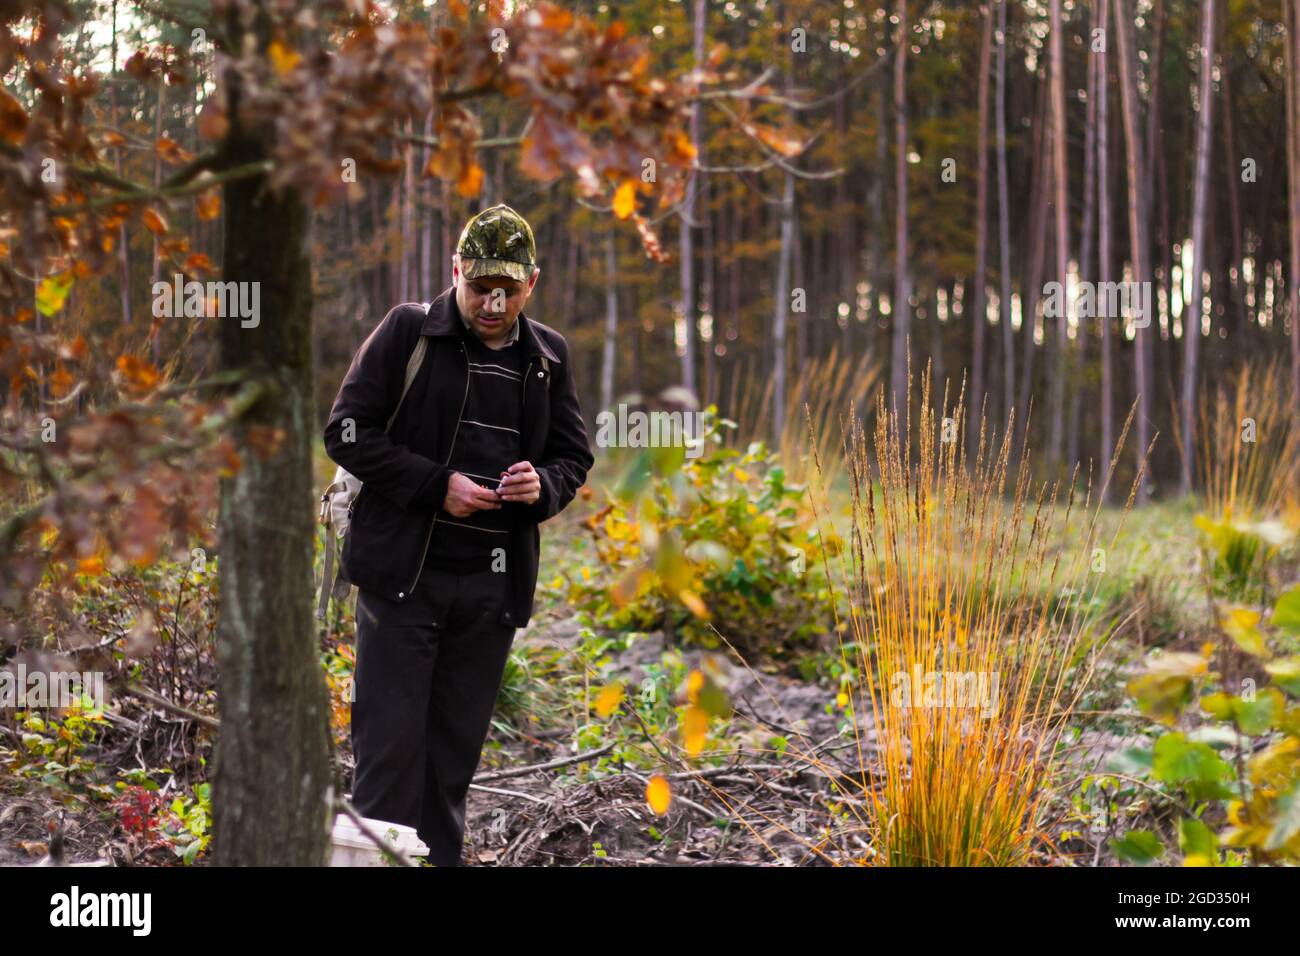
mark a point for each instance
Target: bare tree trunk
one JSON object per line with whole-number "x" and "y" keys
{"x": 611, "y": 324}
{"x": 428, "y": 289}
{"x": 408, "y": 244}
{"x": 1137, "y": 224}
{"x": 1200, "y": 197}
{"x": 124, "y": 253}
{"x": 977, "y": 299}
{"x": 902, "y": 280}
{"x": 1238, "y": 288}
{"x": 844, "y": 236}
{"x": 1103, "y": 248}
{"x": 1086, "y": 242}
{"x": 709, "y": 292}
{"x": 876, "y": 201}
{"x": 155, "y": 338}
{"x": 1004, "y": 224}
{"x": 688, "y": 217}
{"x": 271, "y": 782}
{"x": 1060, "y": 176}
{"x": 781, "y": 309}
{"x": 1040, "y": 184}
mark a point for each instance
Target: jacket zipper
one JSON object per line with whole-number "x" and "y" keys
{"x": 428, "y": 537}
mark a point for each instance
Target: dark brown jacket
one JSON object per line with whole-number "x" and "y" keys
{"x": 404, "y": 471}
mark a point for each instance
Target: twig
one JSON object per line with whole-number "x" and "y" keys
{"x": 550, "y": 765}
{"x": 152, "y": 698}
{"x": 392, "y": 852}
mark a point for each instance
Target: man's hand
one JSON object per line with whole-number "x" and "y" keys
{"x": 520, "y": 483}
{"x": 464, "y": 497}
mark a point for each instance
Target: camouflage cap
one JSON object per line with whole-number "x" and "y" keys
{"x": 498, "y": 241}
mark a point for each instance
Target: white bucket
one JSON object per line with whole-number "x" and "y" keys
{"x": 354, "y": 848}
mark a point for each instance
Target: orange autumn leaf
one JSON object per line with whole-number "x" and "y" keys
{"x": 282, "y": 57}
{"x": 609, "y": 698}
{"x": 470, "y": 181}
{"x": 683, "y": 150}
{"x": 61, "y": 381}
{"x": 695, "y": 727}
{"x": 154, "y": 222}
{"x": 91, "y": 566}
{"x": 75, "y": 350}
{"x": 625, "y": 199}
{"x": 13, "y": 119}
{"x": 782, "y": 143}
{"x": 658, "y": 794}
{"x": 694, "y": 684}
{"x": 209, "y": 205}
{"x": 139, "y": 375}
{"x": 213, "y": 123}
{"x": 693, "y": 603}
{"x": 199, "y": 262}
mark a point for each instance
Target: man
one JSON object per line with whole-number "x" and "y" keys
{"x": 443, "y": 545}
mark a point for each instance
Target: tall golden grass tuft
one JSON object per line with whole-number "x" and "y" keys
{"x": 968, "y": 595}
{"x": 1248, "y": 444}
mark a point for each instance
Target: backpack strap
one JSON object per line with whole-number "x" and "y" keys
{"x": 412, "y": 369}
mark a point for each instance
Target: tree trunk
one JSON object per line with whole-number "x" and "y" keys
{"x": 781, "y": 309}
{"x": 271, "y": 782}
{"x": 688, "y": 217}
{"x": 1200, "y": 196}
{"x": 1004, "y": 225}
{"x": 977, "y": 307}
{"x": 611, "y": 324}
{"x": 1103, "y": 251}
{"x": 1137, "y": 225}
{"x": 1086, "y": 240}
{"x": 1040, "y": 181}
{"x": 155, "y": 336}
{"x": 123, "y": 240}
{"x": 1233, "y": 171}
{"x": 902, "y": 313}
{"x": 1060, "y": 176}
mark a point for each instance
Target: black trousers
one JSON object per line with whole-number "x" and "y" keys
{"x": 425, "y": 692}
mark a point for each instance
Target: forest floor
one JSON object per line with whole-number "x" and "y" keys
{"x": 788, "y": 789}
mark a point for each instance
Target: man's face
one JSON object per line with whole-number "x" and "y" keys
{"x": 491, "y": 304}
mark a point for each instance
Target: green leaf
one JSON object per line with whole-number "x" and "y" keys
{"x": 1253, "y": 717}
{"x": 1287, "y": 824}
{"x": 1286, "y": 612}
{"x": 52, "y": 291}
{"x": 1286, "y": 674}
{"x": 1199, "y": 844}
{"x": 1133, "y": 762}
{"x": 1194, "y": 765}
{"x": 1138, "y": 846}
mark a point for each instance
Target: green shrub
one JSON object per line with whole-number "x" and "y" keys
{"x": 721, "y": 541}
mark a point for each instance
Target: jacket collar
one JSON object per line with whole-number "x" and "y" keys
{"x": 444, "y": 318}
